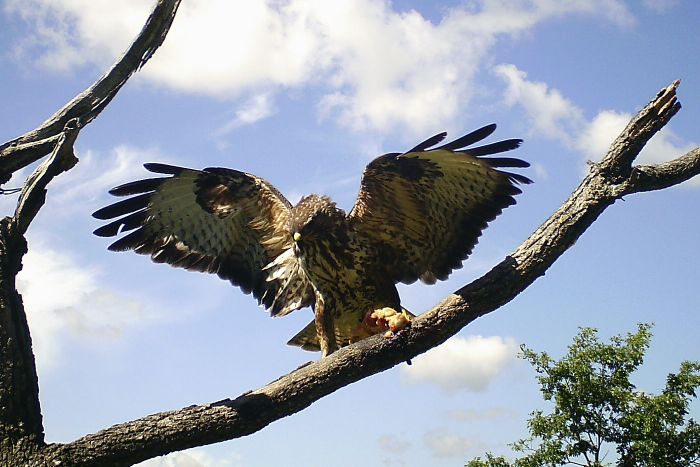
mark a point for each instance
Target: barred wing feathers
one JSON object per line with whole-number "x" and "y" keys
{"x": 425, "y": 209}
{"x": 218, "y": 221}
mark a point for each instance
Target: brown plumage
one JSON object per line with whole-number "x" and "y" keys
{"x": 418, "y": 216}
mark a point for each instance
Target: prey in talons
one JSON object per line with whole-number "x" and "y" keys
{"x": 387, "y": 320}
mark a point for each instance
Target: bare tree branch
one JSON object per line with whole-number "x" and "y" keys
{"x": 607, "y": 181}
{"x": 20, "y": 411}
{"x": 660, "y": 176}
{"x": 33, "y": 195}
{"x": 15, "y": 155}
{"x": 87, "y": 105}
{"x": 21, "y": 428}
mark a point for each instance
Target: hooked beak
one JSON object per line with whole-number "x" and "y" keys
{"x": 297, "y": 236}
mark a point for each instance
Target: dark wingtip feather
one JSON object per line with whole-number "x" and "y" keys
{"x": 136, "y": 187}
{"x": 109, "y": 230}
{"x": 122, "y": 207}
{"x": 493, "y": 148}
{"x": 432, "y": 141}
{"x": 470, "y": 138}
{"x": 129, "y": 242}
{"x": 124, "y": 224}
{"x": 497, "y": 162}
{"x": 157, "y": 167}
{"x": 103, "y": 213}
{"x": 517, "y": 178}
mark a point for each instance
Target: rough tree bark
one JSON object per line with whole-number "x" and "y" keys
{"x": 21, "y": 429}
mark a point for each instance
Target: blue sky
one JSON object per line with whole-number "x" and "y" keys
{"x": 305, "y": 94}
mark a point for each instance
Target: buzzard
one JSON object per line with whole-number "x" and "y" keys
{"x": 418, "y": 216}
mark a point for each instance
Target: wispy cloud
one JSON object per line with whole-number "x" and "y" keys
{"x": 597, "y": 136}
{"x": 550, "y": 113}
{"x": 470, "y": 363}
{"x": 445, "y": 444}
{"x": 98, "y": 171}
{"x": 377, "y": 68}
{"x": 256, "y": 108}
{"x": 553, "y": 116}
{"x": 64, "y": 298}
{"x": 197, "y": 457}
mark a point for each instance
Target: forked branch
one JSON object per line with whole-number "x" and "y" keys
{"x": 86, "y": 106}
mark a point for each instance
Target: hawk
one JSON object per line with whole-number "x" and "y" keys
{"x": 418, "y": 215}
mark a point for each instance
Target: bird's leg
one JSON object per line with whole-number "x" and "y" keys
{"x": 325, "y": 329}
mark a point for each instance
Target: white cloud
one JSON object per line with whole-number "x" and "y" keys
{"x": 555, "y": 117}
{"x": 607, "y": 125}
{"x": 472, "y": 415}
{"x": 70, "y": 33}
{"x": 596, "y": 137}
{"x": 197, "y": 457}
{"x": 470, "y": 363}
{"x": 89, "y": 180}
{"x": 97, "y": 172}
{"x": 550, "y": 113}
{"x": 254, "y": 109}
{"x": 378, "y": 68}
{"x": 64, "y": 298}
{"x": 444, "y": 444}
{"x": 665, "y": 146}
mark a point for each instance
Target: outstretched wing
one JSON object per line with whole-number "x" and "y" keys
{"x": 218, "y": 221}
{"x": 426, "y": 208}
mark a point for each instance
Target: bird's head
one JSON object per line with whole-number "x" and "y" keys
{"x": 314, "y": 218}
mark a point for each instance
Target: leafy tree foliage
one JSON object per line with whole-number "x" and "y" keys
{"x": 597, "y": 409}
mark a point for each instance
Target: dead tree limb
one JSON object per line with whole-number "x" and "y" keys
{"x": 87, "y": 105}
{"x": 21, "y": 427}
{"x": 607, "y": 181}
{"x": 19, "y": 390}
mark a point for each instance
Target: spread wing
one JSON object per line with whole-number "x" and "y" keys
{"x": 426, "y": 208}
{"x": 218, "y": 221}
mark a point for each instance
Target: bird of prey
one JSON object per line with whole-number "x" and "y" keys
{"x": 418, "y": 216}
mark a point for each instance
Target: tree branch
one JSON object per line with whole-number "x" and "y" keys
{"x": 607, "y": 181}
{"x": 33, "y": 195}
{"x": 21, "y": 428}
{"x": 20, "y": 411}
{"x": 660, "y": 176}
{"x": 87, "y": 105}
